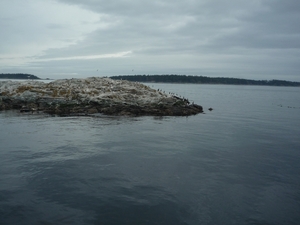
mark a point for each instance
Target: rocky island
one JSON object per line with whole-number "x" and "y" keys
{"x": 90, "y": 96}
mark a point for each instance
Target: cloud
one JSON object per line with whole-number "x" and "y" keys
{"x": 248, "y": 39}
{"x": 32, "y": 27}
{"x": 87, "y": 57}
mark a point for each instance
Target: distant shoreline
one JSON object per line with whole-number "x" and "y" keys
{"x": 175, "y": 79}
{"x": 19, "y": 76}
{"x": 187, "y": 79}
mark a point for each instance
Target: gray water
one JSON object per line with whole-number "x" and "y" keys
{"x": 238, "y": 164}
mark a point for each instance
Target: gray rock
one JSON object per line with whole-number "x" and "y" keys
{"x": 93, "y": 95}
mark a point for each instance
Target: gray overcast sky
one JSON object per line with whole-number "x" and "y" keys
{"x": 255, "y": 39}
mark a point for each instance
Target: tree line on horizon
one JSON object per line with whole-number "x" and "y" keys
{"x": 173, "y": 78}
{"x": 20, "y": 76}
{"x": 202, "y": 80}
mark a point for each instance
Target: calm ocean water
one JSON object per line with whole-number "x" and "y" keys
{"x": 238, "y": 164}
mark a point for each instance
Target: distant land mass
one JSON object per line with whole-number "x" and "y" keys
{"x": 20, "y": 76}
{"x": 202, "y": 80}
{"x": 173, "y": 78}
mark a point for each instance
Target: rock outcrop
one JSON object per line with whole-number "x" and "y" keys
{"x": 92, "y": 95}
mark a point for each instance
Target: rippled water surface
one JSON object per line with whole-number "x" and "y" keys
{"x": 238, "y": 164}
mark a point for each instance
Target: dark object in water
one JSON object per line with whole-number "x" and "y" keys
{"x": 210, "y": 109}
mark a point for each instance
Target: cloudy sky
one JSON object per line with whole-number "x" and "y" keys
{"x": 257, "y": 39}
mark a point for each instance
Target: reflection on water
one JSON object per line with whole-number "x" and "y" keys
{"x": 227, "y": 166}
